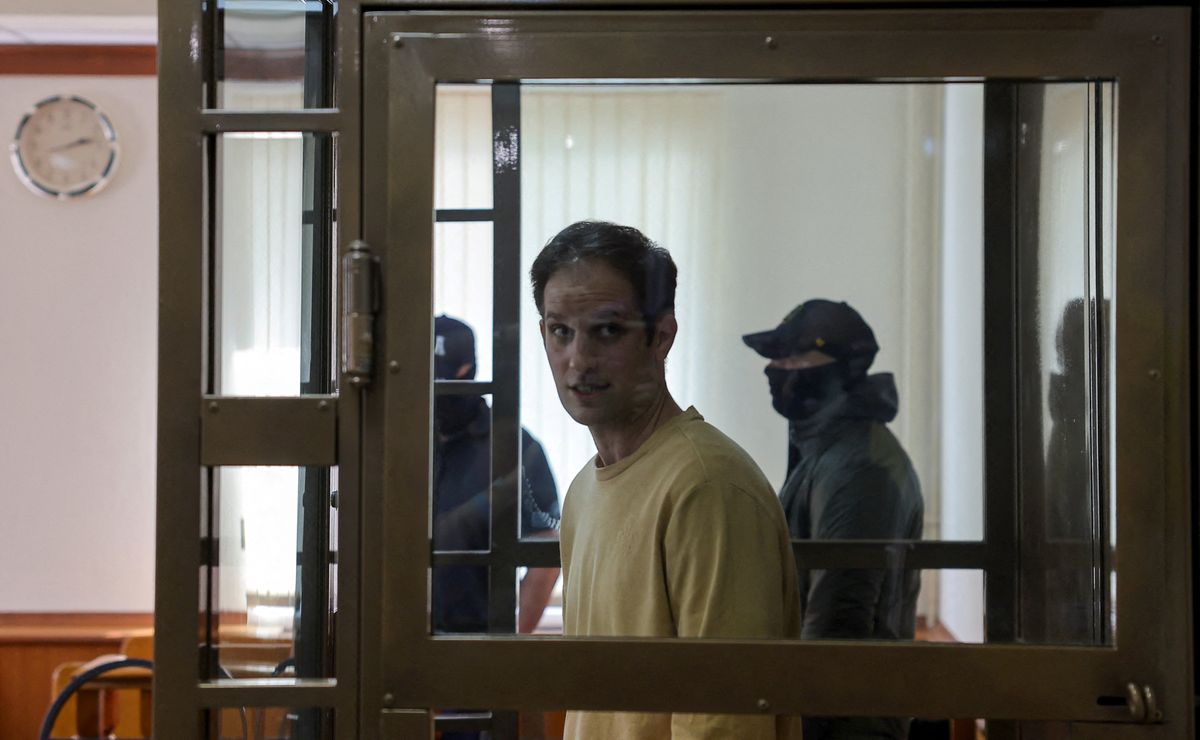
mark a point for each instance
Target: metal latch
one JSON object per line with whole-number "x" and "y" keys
{"x": 1143, "y": 702}
{"x": 360, "y": 303}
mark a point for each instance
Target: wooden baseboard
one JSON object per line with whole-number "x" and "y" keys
{"x": 77, "y": 59}
{"x": 935, "y": 632}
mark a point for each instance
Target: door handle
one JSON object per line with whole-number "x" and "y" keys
{"x": 1143, "y": 702}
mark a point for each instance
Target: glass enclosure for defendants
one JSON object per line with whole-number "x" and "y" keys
{"x": 874, "y": 194}
{"x": 999, "y": 194}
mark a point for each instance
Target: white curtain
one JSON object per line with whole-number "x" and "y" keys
{"x": 637, "y": 156}
{"x": 260, "y": 245}
{"x": 765, "y": 197}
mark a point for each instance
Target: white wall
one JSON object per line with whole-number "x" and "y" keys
{"x": 824, "y": 194}
{"x": 78, "y": 323}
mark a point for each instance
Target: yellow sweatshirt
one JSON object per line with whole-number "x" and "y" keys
{"x": 683, "y": 538}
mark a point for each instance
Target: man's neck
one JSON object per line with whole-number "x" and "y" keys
{"x": 615, "y": 443}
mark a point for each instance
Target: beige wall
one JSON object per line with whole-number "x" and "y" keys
{"x": 78, "y": 322}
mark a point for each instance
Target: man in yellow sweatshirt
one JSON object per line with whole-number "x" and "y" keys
{"x": 671, "y": 530}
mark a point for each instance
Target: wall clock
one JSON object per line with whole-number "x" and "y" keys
{"x": 65, "y": 148}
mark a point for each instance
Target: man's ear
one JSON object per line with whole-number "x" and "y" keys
{"x": 542, "y": 331}
{"x": 665, "y": 330}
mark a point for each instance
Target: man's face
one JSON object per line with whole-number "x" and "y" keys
{"x": 595, "y": 338}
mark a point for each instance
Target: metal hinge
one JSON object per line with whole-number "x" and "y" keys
{"x": 1143, "y": 702}
{"x": 360, "y": 303}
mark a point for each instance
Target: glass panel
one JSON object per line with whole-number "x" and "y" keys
{"x": 864, "y": 207}
{"x": 272, "y": 592}
{"x": 951, "y": 607}
{"x": 1066, "y": 497}
{"x": 462, "y": 290}
{"x": 270, "y": 723}
{"x": 480, "y": 724}
{"x": 462, "y": 506}
{"x": 274, "y": 54}
{"x": 539, "y": 609}
{"x": 276, "y": 264}
{"x": 463, "y": 147}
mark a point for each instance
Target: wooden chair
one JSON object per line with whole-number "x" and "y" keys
{"x": 109, "y": 705}
{"x": 130, "y": 723}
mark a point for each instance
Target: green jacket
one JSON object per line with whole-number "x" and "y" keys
{"x": 849, "y": 479}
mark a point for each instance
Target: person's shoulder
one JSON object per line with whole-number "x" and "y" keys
{"x": 585, "y": 480}
{"x": 718, "y": 460}
{"x": 528, "y": 441}
{"x": 867, "y": 444}
{"x": 866, "y": 453}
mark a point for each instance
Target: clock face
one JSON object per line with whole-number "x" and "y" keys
{"x": 65, "y": 148}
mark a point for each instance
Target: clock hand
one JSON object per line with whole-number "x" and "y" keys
{"x": 72, "y": 144}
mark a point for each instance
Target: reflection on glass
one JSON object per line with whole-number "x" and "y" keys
{"x": 270, "y": 723}
{"x": 461, "y": 475}
{"x": 464, "y": 494}
{"x": 468, "y": 725}
{"x": 275, "y": 268}
{"x": 273, "y": 54}
{"x": 272, "y": 591}
{"x": 1066, "y": 495}
{"x": 873, "y": 195}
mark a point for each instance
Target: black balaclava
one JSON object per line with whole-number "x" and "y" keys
{"x": 818, "y": 324}
{"x": 452, "y": 414}
{"x": 800, "y": 393}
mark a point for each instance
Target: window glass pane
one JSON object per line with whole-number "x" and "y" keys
{"x": 274, "y": 54}
{"x": 462, "y": 291}
{"x": 275, "y": 264}
{"x": 462, "y": 512}
{"x": 271, "y": 593}
{"x": 463, "y": 143}
{"x": 1065, "y": 488}
{"x": 269, "y": 723}
{"x": 832, "y": 272}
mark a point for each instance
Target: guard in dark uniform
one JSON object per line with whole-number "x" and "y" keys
{"x": 462, "y": 471}
{"x": 848, "y": 479}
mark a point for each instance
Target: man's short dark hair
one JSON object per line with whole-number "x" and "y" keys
{"x": 649, "y": 267}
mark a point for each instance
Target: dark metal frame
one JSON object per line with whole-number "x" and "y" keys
{"x": 188, "y": 311}
{"x": 502, "y": 557}
{"x": 1153, "y": 373}
{"x": 428, "y": 48}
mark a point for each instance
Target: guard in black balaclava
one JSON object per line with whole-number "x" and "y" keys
{"x": 848, "y": 478}
{"x": 798, "y": 393}
{"x": 819, "y": 349}
{"x": 453, "y": 359}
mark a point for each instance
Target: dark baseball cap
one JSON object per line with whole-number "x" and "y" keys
{"x": 818, "y": 324}
{"x": 453, "y": 347}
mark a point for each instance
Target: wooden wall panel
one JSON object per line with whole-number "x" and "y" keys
{"x": 77, "y": 59}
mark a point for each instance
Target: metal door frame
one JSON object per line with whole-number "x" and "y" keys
{"x": 409, "y": 52}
